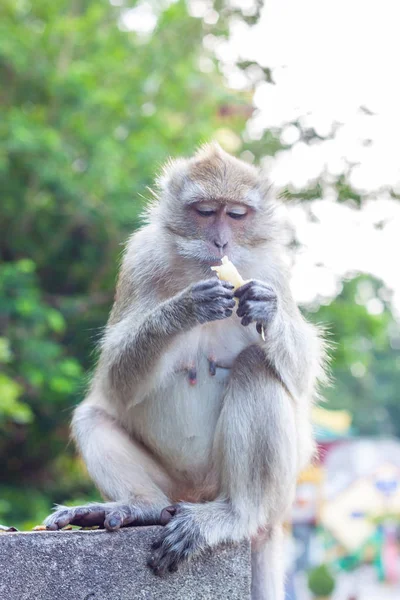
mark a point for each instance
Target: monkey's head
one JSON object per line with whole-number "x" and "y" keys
{"x": 214, "y": 205}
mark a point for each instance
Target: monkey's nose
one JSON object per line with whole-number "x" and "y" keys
{"x": 220, "y": 245}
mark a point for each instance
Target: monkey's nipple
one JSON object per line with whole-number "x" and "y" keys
{"x": 212, "y": 366}
{"x": 192, "y": 374}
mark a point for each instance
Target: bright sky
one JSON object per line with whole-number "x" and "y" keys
{"x": 328, "y": 59}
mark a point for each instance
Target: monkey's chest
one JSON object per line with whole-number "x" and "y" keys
{"x": 177, "y": 421}
{"x": 214, "y": 345}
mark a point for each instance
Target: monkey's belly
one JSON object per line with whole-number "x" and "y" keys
{"x": 178, "y": 422}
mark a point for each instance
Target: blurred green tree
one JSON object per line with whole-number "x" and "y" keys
{"x": 95, "y": 95}
{"x": 365, "y": 359}
{"x": 92, "y": 100}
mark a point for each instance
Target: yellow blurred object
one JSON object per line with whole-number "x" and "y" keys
{"x": 313, "y": 474}
{"x": 338, "y": 421}
{"x": 349, "y": 515}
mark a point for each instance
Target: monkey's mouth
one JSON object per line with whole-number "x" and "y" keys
{"x": 214, "y": 258}
{"x": 213, "y": 261}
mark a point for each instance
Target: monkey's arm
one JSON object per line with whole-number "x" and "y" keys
{"x": 133, "y": 345}
{"x": 292, "y": 346}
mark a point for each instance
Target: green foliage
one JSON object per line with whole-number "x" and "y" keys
{"x": 89, "y": 111}
{"x": 321, "y": 582}
{"x": 365, "y": 361}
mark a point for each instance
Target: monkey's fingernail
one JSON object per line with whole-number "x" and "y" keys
{"x": 113, "y": 522}
{"x": 212, "y": 367}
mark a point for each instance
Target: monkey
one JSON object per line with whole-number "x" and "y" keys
{"x": 193, "y": 420}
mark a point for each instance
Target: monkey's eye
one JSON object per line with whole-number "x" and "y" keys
{"x": 205, "y": 211}
{"x": 237, "y": 213}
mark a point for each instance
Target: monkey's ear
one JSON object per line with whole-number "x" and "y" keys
{"x": 173, "y": 176}
{"x": 266, "y": 187}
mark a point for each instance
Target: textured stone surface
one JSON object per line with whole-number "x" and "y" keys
{"x": 98, "y": 565}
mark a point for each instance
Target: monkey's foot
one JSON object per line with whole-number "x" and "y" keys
{"x": 180, "y": 540}
{"x": 107, "y": 515}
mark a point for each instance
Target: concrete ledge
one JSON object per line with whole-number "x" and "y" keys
{"x": 98, "y": 565}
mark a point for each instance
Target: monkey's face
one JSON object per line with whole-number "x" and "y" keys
{"x": 215, "y": 205}
{"x": 219, "y": 228}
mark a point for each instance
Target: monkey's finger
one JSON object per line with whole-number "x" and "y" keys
{"x": 225, "y": 293}
{"x": 229, "y": 303}
{"x": 226, "y": 284}
{"x": 213, "y": 294}
{"x": 72, "y": 516}
{"x": 205, "y": 284}
{"x": 79, "y": 516}
{"x": 220, "y": 293}
{"x": 246, "y": 320}
{"x": 223, "y": 289}
{"x": 164, "y": 561}
{"x": 258, "y": 293}
{"x": 157, "y": 544}
{"x": 157, "y": 565}
{"x": 243, "y": 308}
{"x": 210, "y": 283}
{"x": 243, "y": 288}
{"x": 218, "y": 303}
{"x": 62, "y": 519}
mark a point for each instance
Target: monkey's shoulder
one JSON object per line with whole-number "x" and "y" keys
{"x": 144, "y": 266}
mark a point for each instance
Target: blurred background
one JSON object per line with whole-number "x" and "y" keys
{"x": 94, "y": 96}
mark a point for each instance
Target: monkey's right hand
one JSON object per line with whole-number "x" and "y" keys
{"x": 211, "y": 300}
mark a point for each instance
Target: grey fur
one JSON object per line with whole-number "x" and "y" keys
{"x": 226, "y": 444}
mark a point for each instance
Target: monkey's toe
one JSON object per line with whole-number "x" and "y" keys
{"x": 162, "y": 567}
{"x": 113, "y": 521}
{"x": 167, "y": 514}
{"x": 82, "y": 516}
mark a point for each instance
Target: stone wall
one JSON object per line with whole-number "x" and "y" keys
{"x": 98, "y": 565}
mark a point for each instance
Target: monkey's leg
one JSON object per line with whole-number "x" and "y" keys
{"x": 123, "y": 471}
{"x": 255, "y": 457}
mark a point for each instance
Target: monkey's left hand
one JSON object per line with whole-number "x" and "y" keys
{"x": 257, "y": 303}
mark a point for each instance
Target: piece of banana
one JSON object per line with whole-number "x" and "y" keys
{"x": 227, "y": 271}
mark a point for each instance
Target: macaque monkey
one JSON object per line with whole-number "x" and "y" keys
{"x": 194, "y": 420}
